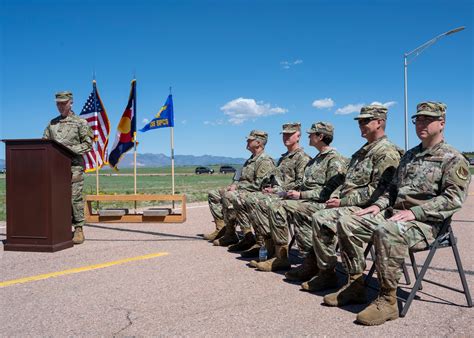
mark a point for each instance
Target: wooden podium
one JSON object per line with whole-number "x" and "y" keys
{"x": 38, "y": 184}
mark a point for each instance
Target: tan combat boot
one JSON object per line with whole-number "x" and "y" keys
{"x": 218, "y": 233}
{"x": 305, "y": 271}
{"x": 78, "y": 236}
{"x": 245, "y": 243}
{"x": 270, "y": 245}
{"x": 384, "y": 308}
{"x": 230, "y": 237}
{"x": 354, "y": 292}
{"x": 325, "y": 279}
{"x": 254, "y": 250}
{"x": 277, "y": 263}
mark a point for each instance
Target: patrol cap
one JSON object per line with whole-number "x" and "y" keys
{"x": 435, "y": 109}
{"x": 290, "y": 128}
{"x": 258, "y": 135}
{"x": 373, "y": 111}
{"x": 63, "y": 96}
{"x": 321, "y": 128}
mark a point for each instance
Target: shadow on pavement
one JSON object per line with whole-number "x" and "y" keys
{"x": 140, "y": 232}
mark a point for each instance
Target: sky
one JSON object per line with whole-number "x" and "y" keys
{"x": 235, "y": 66}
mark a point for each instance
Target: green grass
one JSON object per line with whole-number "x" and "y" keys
{"x": 186, "y": 182}
{"x": 194, "y": 186}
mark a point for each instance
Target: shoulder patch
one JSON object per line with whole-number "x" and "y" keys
{"x": 462, "y": 173}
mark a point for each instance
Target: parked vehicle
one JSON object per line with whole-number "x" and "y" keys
{"x": 204, "y": 170}
{"x": 471, "y": 161}
{"x": 3, "y": 171}
{"x": 226, "y": 169}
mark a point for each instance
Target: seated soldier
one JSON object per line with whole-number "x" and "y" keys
{"x": 288, "y": 176}
{"x": 429, "y": 186}
{"x": 370, "y": 171}
{"x": 256, "y": 174}
{"x": 322, "y": 175}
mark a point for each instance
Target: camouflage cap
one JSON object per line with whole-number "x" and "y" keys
{"x": 321, "y": 128}
{"x": 373, "y": 111}
{"x": 63, "y": 96}
{"x": 290, "y": 128}
{"x": 436, "y": 109}
{"x": 258, "y": 135}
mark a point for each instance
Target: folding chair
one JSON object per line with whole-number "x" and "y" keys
{"x": 444, "y": 239}
{"x": 369, "y": 275}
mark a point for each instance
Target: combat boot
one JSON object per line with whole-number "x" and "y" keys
{"x": 384, "y": 308}
{"x": 270, "y": 245}
{"x": 245, "y": 243}
{"x": 325, "y": 279}
{"x": 354, "y": 292}
{"x": 78, "y": 236}
{"x": 277, "y": 263}
{"x": 218, "y": 233}
{"x": 230, "y": 237}
{"x": 305, "y": 271}
{"x": 254, "y": 250}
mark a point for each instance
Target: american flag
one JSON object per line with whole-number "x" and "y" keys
{"x": 96, "y": 116}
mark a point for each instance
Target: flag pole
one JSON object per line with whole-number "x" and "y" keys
{"x": 172, "y": 160}
{"x": 135, "y": 142}
{"x": 96, "y": 146}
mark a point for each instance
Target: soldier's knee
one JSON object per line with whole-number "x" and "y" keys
{"x": 344, "y": 223}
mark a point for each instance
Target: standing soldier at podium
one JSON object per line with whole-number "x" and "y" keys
{"x": 74, "y": 133}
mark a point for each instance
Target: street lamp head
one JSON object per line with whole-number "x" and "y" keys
{"x": 455, "y": 30}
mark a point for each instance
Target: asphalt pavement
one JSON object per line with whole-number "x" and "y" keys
{"x": 163, "y": 279}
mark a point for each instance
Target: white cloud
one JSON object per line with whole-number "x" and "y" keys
{"x": 214, "y": 123}
{"x": 349, "y": 109}
{"x": 323, "y": 103}
{"x": 386, "y": 104}
{"x": 184, "y": 121}
{"x": 242, "y": 109}
{"x": 145, "y": 121}
{"x": 289, "y": 64}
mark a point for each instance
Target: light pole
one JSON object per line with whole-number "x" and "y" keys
{"x": 417, "y": 51}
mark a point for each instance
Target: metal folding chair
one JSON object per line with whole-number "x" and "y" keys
{"x": 444, "y": 239}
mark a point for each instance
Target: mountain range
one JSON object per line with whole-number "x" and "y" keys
{"x": 162, "y": 160}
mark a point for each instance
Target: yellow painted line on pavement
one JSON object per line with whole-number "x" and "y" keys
{"x": 81, "y": 269}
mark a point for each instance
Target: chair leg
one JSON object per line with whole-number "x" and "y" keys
{"x": 405, "y": 273}
{"x": 457, "y": 257}
{"x": 422, "y": 273}
{"x": 369, "y": 249}
{"x": 292, "y": 241}
{"x": 415, "y": 267}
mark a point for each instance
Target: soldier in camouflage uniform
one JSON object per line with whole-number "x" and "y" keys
{"x": 74, "y": 133}
{"x": 256, "y": 174}
{"x": 429, "y": 186}
{"x": 322, "y": 175}
{"x": 288, "y": 177}
{"x": 370, "y": 171}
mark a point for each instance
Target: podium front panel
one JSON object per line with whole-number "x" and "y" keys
{"x": 29, "y": 202}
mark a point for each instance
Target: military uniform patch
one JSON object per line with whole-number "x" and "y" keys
{"x": 462, "y": 173}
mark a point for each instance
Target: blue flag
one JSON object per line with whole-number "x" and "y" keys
{"x": 164, "y": 118}
{"x": 126, "y": 130}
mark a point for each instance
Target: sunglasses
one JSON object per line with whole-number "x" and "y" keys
{"x": 425, "y": 119}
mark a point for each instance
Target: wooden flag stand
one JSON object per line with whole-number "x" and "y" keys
{"x": 151, "y": 215}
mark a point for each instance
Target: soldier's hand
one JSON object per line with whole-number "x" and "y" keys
{"x": 231, "y": 187}
{"x": 333, "y": 203}
{"x": 373, "y": 210}
{"x": 268, "y": 190}
{"x": 293, "y": 195}
{"x": 403, "y": 216}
